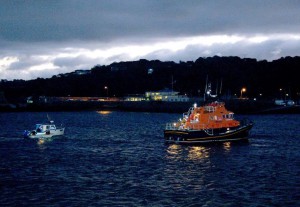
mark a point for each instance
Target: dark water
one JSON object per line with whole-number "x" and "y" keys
{"x": 120, "y": 159}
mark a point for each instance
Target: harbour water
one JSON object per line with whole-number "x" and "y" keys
{"x": 120, "y": 159}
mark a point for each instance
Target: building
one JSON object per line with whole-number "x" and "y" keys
{"x": 82, "y": 72}
{"x": 135, "y": 97}
{"x": 166, "y": 95}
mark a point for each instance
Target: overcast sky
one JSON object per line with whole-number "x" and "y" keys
{"x": 45, "y": 38}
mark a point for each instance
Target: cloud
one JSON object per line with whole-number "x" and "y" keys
{"x": 108, "y": 20}
{"x": 50, "y": 37}
{"x": 35, "y": 61}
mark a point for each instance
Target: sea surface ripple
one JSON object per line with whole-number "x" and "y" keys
{"x": 120, "y": 159}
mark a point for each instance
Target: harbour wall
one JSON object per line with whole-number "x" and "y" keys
{"x": 236, "y": 105}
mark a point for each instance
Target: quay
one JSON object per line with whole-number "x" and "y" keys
{"x": 240, "y": 106}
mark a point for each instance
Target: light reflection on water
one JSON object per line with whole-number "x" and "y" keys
{"x": 196, "y": 153}
{"x": 104, "y": 112}
{"x": 120, "y": 159}
{"x": 227, "y": 146}
{"x": 175, "y": 151}
{"x": 41, "y": 141}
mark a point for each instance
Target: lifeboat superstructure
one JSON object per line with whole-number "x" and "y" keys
{"x": 209, "y": 123}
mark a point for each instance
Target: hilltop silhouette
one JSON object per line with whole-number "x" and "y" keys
{"x": 261, "y": 78}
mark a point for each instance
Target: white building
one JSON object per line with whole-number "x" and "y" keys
{"x": 166, "y": 95}
{"x": 135, "y": 97}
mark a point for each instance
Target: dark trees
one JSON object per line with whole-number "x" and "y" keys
{"x": 259, "y": 77}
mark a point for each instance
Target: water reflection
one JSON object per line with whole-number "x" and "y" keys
{"x": 175, "y": 151}
{"x": 42, "y": 143}
{"x": 227, "y": 146}
{"x": 187, "y": 167}
{"x": 104, "y": 112}
{"x": 198, "y": 152}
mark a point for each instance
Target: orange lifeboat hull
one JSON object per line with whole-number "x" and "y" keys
{"x": 209, "y": 123}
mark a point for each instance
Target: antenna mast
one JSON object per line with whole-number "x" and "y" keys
{"x": 221, "y": 87}
{"x": 205, "y": 86}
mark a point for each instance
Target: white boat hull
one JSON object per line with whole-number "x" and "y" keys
{"x": 38, "y": 135}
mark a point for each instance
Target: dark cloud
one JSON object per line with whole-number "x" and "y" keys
{"x": 63, "y": 35}
{"x": 77, "y": 62}
{"x": 60, "y": 20}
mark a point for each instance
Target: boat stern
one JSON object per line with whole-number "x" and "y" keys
{"x": 26, "y": 134}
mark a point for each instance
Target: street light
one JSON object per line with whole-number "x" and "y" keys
{"x": 280, "y": 93}
{"x": 106, "y": 88}
{"x": 242, "y": 91}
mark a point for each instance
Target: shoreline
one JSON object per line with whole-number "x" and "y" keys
{"x": 236, "y": 106}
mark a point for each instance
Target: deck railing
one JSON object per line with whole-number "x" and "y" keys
{"x": 170, "y": 126}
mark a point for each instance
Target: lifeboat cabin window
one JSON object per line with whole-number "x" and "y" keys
{"x": 228, "y": 116}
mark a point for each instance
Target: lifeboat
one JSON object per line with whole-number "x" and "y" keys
{"x": 209, "y": 123}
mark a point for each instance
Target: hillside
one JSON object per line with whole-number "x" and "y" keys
{"x": 261, "y": 78}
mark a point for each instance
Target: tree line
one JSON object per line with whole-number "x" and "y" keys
{"x": 226, "y": 74}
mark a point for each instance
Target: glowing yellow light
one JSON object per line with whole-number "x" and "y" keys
{"x": 103, "y": 112}
{"x": 243, "y": 90}
{"x": 198, "y": 153}
{"x": 227, "y": 146}
{"x": 173, "y": 149}
{"x": 41, "y": 141}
